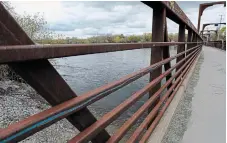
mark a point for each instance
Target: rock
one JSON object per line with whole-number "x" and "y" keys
{"x": 2, "y": 91}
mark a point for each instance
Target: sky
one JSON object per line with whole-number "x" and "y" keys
{"x": 88, "y": 18}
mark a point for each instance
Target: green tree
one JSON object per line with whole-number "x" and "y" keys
{"x": 133, "y": 39}
{"x": 119, "y": 38}
{"x": 223, "y": 30}
{"x": 146, "y": 37}
{"x": 223, "y": 33}
{"x": 109, "y": 38}
{"x": 173, "y": 37}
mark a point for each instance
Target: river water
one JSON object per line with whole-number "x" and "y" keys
{"x": 85, "y": 73}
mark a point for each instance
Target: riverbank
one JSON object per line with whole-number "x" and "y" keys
{"x": 18, "y": 101}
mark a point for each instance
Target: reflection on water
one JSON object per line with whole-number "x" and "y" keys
{"x": 84, "y": 73}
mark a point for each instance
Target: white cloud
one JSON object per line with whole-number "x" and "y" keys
{"x": 83, "y": 19}
{"x": 52, "y": 10}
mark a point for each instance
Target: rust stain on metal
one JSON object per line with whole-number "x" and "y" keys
{"x": 34, "y": 52}
{"x": 162, "y": 111}
{"x": 38, "y": 74}
{"x": 126, "y": 126}
{"x": 30, "y": 62}
{"x": 83, "y": 100}
{"x": 152, "y": 114}
{"x": 90, "y": 132}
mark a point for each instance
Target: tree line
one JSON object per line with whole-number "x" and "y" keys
{"x": 118, "y": 38}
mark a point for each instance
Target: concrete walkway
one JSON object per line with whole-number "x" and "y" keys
{"x": 200, "y": 117}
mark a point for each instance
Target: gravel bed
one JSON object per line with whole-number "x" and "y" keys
{"x": 18, "y": 101}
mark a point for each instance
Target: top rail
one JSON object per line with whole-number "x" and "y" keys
{"x": 34, "y": 52}
{"x": 175, "y": 13}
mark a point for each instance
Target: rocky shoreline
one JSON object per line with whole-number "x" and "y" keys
{"x": 18, "y": 101}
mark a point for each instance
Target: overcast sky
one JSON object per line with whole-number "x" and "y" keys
{"x": 84, "y": 19}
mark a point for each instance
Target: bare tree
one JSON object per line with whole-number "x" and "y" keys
{"x": 35, "y": 25}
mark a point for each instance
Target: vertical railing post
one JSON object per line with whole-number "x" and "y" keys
{"x": 166, "y": 54}
{"x": 158, "y": 31}
{"x": 189, "y": 40}
{"x": 181, "y": 38}
{"x": 194, "y": 39}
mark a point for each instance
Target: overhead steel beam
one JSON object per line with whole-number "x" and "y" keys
{"x": 206, "y": 24}
{"x": 203, "y": 6}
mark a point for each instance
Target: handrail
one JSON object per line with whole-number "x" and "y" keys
{"x": 152, "y": 114}
{"x": 126, "y": 126}
{"x": 34, "y": 52}
{"x": 31, "y": 63}
{"x": 49, "y": 116}
{"x": 94, "y": 129}
{"x": 220, "y": 44}
{"x": 161, "y": 112}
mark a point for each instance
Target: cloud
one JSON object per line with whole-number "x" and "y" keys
{"x": 84, "y": 19}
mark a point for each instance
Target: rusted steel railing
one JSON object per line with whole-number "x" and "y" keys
{"x": 220, "y": 44}
{"x": 30, "y": 62}
{"x": 34, "y": 52}
{"x": 56, "y": 113}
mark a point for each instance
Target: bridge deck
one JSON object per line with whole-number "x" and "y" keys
{"x": 200, "y": 117}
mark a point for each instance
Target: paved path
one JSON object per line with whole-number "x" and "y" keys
{"x": 200, "y": 117}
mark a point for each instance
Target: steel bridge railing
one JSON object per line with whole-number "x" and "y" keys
{"x": 217, "y": 44}
{"x": 30, "y": 62}
{"x": 52, "y": 115}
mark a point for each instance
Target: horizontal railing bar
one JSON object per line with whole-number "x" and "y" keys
{"x": 35, "y": 52}
{"x": 126, "y": 126}
{"x": 154, "y": 111}
{"x": 83, "y": 100}
{"x": 161, "y": 112}
{"x": 104, "y": 121}
{"x": 215, "y": 42}
{"x": 154, "y": 123}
